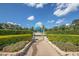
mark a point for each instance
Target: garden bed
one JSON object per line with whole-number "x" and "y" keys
{"x": 13, "y": 43}
{"x": 68, "y": 43}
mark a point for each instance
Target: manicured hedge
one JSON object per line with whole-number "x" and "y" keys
{"x": 12, "y": 40}
{"x": 65, "y": 42}
{"x": 15, "y": 47}
{"x": 9, "y": 32}
{"x": 62, "y": 32}
{"x": 68, "y": 47}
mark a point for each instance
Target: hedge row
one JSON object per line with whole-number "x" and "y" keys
{"x": 65, "y": 42}
{"x": 9, "y": 32}
{"x": 15, "y": 47}
{"x": 12, "y": 40}
{"x": 62, "y": 32}
{"x": 68, "y": 47}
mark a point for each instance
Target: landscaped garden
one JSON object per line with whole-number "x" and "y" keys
{"x": 13, "y": 37}
{"x": 66, "y": 37}
{"x": 66, "y": 42}
{"x": 13, "y": 43}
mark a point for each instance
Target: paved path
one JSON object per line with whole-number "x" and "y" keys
{"x": 41, "y": 48}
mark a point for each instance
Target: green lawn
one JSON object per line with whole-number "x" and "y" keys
{"x": 64, "y": 38}
{"x": 17, "y": 35}
{"x": 6, "y": 40}
{"x": 65, "y": 42}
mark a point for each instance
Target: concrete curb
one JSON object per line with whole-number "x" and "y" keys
{"x": 19, "y": 53}
{"x": 60, "y": 52}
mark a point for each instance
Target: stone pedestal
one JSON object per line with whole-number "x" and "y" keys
{"x": 38, "y": 36}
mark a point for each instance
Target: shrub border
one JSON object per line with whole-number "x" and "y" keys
{"x": 60, "y": 52}
{"x": 22, "y": 52}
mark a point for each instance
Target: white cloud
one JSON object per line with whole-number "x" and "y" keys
{"x": 36, "y": 5}
{"x": 63, "y": 8}
{"x": 67, "y": 24}
{"x": 39, "y": 5}
{"x": 51, "y": 21}
{"x": 60, "y": 21}
{"x": 38, "y": 24}
{"x": 31, "y": 4}
{"x": 31, "y": 18}
{"x": 19, "y": 24}
{"x": 11, "y": 23}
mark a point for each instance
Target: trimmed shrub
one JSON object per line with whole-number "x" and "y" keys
{"x": 65, "y": 42}
{"x": 10, "y": 32}
{"x": 12, "y": 40}
{"x": 15, "y": 47}
{"x": 68, "y": 47}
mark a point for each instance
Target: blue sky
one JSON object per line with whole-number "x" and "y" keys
{"x": 29, "y": 14}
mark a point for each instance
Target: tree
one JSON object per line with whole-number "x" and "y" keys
{"x": 32, "y": 28}
{"x": 76, "y": 22}
{"x": 1, "y": 26}
{"x": 10, "y": 26}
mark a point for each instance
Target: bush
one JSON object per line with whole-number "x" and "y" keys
{"x": 15, "y": 47}
{"x": 12, "y": 40}
{"x": 10, "y": 32}
{"x": 65, "y": 42}
{"x": 68, "y": 47}
{"x": 74, "y": 39}
{"x": 62, "y": 32}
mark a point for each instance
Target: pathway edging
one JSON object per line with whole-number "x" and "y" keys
{"x": 62, "y": 53}
{"x": 19, "y": 53}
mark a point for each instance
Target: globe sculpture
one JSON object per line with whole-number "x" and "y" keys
{"x": 39, "y": 28}
{"x": 38, "y": 32}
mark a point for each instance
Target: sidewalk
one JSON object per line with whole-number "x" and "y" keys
{"x": 41, "y": 48}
